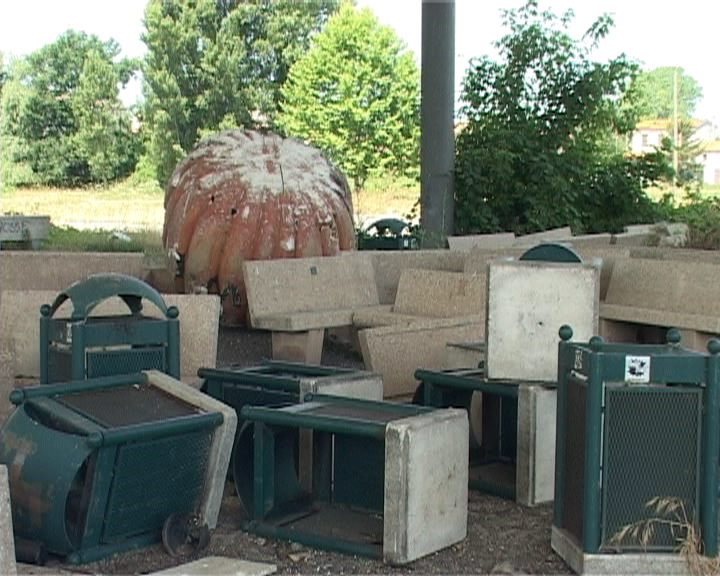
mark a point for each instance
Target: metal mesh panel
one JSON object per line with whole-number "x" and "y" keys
{"x": 124, "y": 361}
{"x": 127, "y": 405}
{"x": 652, "y": 449}
{"x": 153, "y": 480}
{"x": 574, "y": 465}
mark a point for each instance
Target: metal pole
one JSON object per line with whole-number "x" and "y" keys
{"x": 437, "y": 112}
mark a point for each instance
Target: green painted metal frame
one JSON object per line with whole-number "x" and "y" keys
{"x": 454, "y": 388}
{"x": 59, "y": 446}
{"x": 596, "y": 362}
{"x": 274, "y": 508}
{"x": 86, "y": 336}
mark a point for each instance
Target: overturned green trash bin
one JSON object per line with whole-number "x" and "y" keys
{"x": 99, "y": 466}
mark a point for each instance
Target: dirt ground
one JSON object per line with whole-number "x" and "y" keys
{"x": 503, "y": 537}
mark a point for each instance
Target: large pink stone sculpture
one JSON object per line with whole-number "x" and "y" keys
{"x": 243, "y": 195}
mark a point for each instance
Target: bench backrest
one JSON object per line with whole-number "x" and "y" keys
{"x": 309, "y": 284}
{"x": 440, "y": 294}
{"x": 670, "y": 285}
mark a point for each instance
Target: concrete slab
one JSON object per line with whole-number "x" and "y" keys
{"x": 289, "y": 286}
{"x": 7, "y": 540}
{"x": 617, "y": 564}
{"x": 20, "y": 325}
{"x": 395, "y": 352}
{"x": 529, "y": 240}
{"x": 535, "y": 455}
{"x": 461, "y": 355}
{"x": 55, "y": 271}
{"x": 440, "y": 294}
{"x": 357, "y": 384}
{"x": 426, "y": 479}
{"x": 482, "y": 241}
{"x": 389, "y": 264}
{"x": 221, "y": 447}
{"x": 477, "y": 261}
{"x": 527, "y": 304}
{"x": 219, "y": 566}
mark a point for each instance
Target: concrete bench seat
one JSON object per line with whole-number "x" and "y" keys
{"x": 297, "y": 299}
{"x": 645, "y": 297}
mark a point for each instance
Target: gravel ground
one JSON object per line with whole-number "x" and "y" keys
{"x": 503, "y": 537}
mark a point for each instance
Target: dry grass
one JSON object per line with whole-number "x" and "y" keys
{"x": 122, "y": 206}
{"x": 671, "y": 512}
{"x": 135, "y": 207}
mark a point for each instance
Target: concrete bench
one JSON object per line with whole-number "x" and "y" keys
{"x": 645, "y": 297}
{"x": 425, "y": 294}
{"x": 32, "y": 230}
{"x": 297, "y": 299}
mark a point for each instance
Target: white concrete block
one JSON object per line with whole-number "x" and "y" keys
{"x": 360, "y": 384}
{"x": 218, "y": 565}
{"x": 527, "y": 304}
{"x": 426, "y": 484}
{"x": 222, "y": 441}
{"x": 7, "y": 540}
{"x": 535, "y": 453}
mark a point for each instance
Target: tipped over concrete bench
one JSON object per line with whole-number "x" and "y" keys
{"x": 297, "y": 299}
{"x": 645, "y": 297}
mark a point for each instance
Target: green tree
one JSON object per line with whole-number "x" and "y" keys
{"x": 540, "y": 146}
{"x": 655, "y": 93}
{"x": 355, "y": 95}
{"x": 218, "y": 64}
{"x": 52, "y": 100}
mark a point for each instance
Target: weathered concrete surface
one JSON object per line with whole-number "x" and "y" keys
{"x": 429, "y": 294}
{"x": 546, "y": 236}
{"x": 426, "y": 484}
{"x": 7, "y": 540}
{"x": 645, "y": 297}
{"x": 617, "y": 564}
{"x": 395, "y": 352}
{"x": 527, "y": 304}
{"x": 55, "y": 271}
{"x": 222, "y": 442}
{"x": 291, "y": 286}
{"x": 357, "y": 384}
{"x": 481, "y": 241}
{"x": 464, "y": 355}
{"x": 303, "y": 346}
{"x": 535, "y": 455}
{"x": 389, "y": 264}
{"x": 219, "y": 566}
{"x": 20, "y": 326}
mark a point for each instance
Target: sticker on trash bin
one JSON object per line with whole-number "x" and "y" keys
{"x": 637, "y": 369}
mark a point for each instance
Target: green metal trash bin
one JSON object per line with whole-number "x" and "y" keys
{"x": 83, "y": 345}
{"x": 98, "y": 466}
{"x": 634, "y": 423}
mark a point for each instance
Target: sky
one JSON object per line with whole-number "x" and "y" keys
{"x": 654, "y": 34}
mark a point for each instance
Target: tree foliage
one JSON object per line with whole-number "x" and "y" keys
{"x": 62, "y": 118}
{"x": 655, "y": 93}
{"x": 540, "y": 146}
{"x": 355, "y": 95}
{"x": 215, "y": 64}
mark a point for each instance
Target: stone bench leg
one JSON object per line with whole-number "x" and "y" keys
{"x": 535, "y": 455}
{"x": 303, "y": 347}
{"x": 7, "y": 543}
